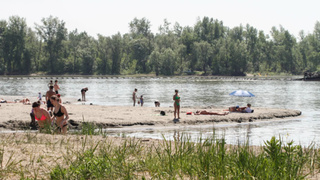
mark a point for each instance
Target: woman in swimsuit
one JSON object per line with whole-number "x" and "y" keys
{"x": 209, "y": 113}
{"x": 176, "y": 104}
{"x": 60, "y": 114}
{"x": 83, "y": 93}
{"x": 41, "y": 115}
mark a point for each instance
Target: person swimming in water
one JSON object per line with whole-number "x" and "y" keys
{"x": 176, "y": 104}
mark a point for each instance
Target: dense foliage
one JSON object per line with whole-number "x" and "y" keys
{"x": 208, "y": 46}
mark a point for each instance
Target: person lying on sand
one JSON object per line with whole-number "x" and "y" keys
{"x": 235, "y": 109}
{"x": 5, "y": 101}
{"x": 210, "y": 113}
{"x": 240, "y": 109}
{"x": 25, "y": 101}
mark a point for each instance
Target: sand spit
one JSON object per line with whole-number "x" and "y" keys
{"x": 16, "y": 116}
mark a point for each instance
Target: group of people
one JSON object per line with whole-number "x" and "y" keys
{"x": 240, "y": 109}
{"x": 135, "y": 97}
{"x": 60, "y": 115}
{"x": 55, "y": 113}
{"x": 176, "y": 105}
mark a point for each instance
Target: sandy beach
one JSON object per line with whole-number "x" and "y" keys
{"x": 37, "y": 154}
{"x": 16, "y": 115}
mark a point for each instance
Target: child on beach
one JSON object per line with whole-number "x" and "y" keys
{"x": 39, "y": 96}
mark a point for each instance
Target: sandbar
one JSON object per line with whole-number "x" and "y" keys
{"x": 16, "y": 116}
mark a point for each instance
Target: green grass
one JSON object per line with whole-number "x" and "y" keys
{"x": 81, "y": 157}
{"x": 207, "y": 159}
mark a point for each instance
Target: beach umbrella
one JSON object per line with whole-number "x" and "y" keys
{"x": 242, "y": 93}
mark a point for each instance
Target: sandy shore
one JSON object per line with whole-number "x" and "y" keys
{"x": 38, "y": 153}
{"x": 16, "y": 115}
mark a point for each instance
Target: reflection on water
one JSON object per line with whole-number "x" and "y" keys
{"x": 195, "y": 91}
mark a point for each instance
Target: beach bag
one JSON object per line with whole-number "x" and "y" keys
{"x": 162, "y": 113}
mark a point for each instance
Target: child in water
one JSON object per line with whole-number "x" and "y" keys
{"x": 141, "y": 100}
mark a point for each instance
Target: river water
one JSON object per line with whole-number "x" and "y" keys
{"x": 194, "y": 91}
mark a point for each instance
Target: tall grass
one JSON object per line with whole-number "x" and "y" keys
{"x": 182, "y": 159}
{"x": 84, "y": 157}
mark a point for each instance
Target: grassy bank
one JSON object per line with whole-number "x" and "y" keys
{"x": 36, "y": 156}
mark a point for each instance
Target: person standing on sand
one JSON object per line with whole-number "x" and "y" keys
{"x": 48, "y": 96}
{"x": 41, "y": 115}
{"x": 176, "y": 104}
{"x": 60, "y": 115}
{"x": 56, "y": 86}
{"x": 83, "y": 93}
{"x": 157, "y": 103}
{"x": 134, "y": 96}
{"x": 39, "y": 96}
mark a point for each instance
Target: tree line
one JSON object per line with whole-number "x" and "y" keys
{"x": 208, "y": 46}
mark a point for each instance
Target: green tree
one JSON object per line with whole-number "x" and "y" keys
{"x": 141, "y": 44}
{"x": 203, "y": 52}
{"x": 251, "y": 40}
{"x": 31, "y": 52}
{"x": 53, "y": 32}
{"x": 88, "y": 52}
{"x": 14, "y": 44}
{"x": 156, "y": 61}
{"x": 168, "y": 62}
{"x": 73, "y": 65}
{"x": 284, "y": 43}
{"x": 116, "y": 53}
{"x": 3, "y": 29}
{"x": 140, "y": 51}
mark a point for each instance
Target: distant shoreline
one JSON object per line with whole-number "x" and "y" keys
{"x": 248, "y": 77}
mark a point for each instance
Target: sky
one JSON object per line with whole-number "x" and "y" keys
{"x": 108, "y": 17}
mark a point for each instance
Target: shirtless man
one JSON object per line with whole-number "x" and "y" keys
{"x": 48, "y": 96}
{"x": 56, "y": 86}
{"x": 134, "y": 96}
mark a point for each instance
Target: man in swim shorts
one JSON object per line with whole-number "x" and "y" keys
{"x": 48, "y": 96}
{"x": 56, "y": 86}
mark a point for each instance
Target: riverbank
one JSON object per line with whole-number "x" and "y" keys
{"x": 16, "y": 116}
{"x": 153, "y": 76}
{"x": 46, "y": 156}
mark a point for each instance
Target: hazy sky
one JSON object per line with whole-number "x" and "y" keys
{"x": 107, "y": 17}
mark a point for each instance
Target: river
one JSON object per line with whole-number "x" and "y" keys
{"x": 194, "y": 91}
